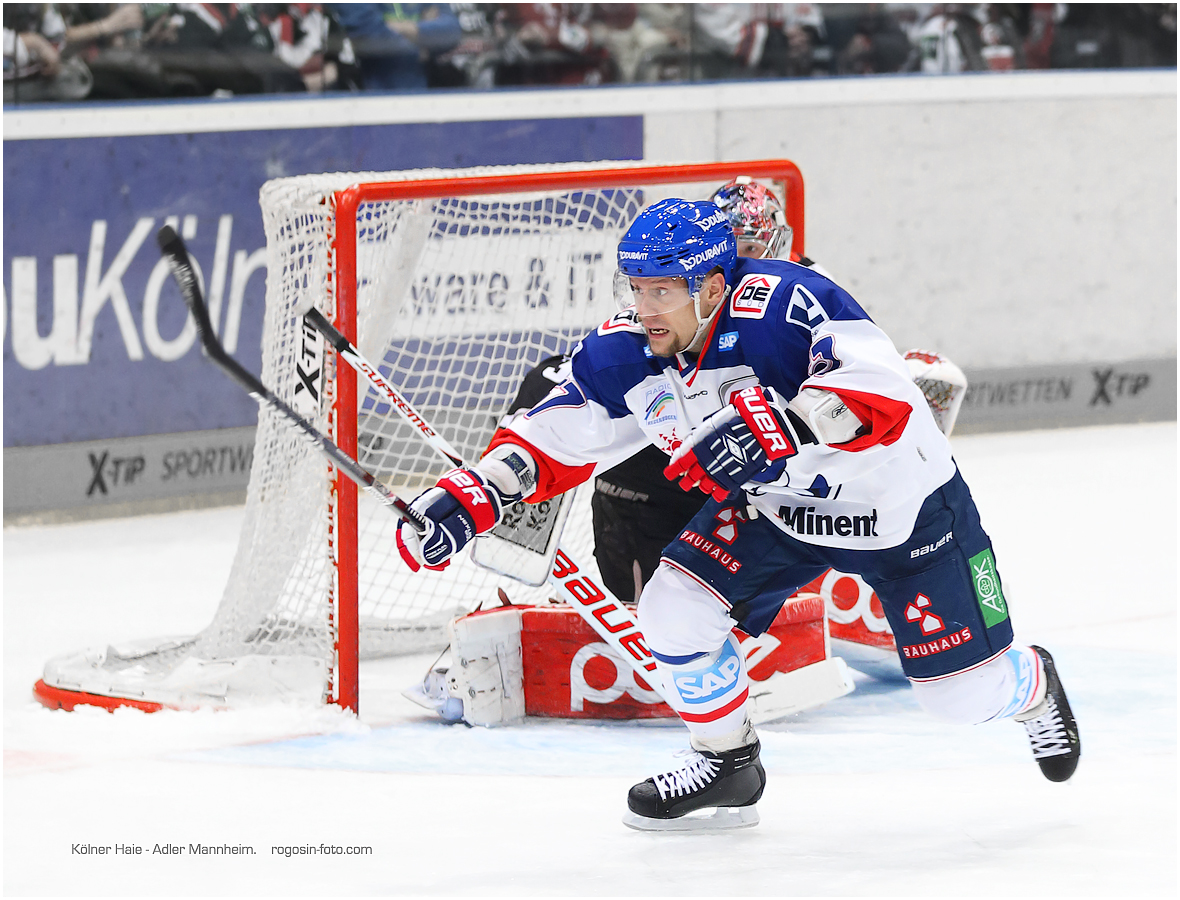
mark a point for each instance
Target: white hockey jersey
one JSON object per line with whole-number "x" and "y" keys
{"x": 784, "y": 327}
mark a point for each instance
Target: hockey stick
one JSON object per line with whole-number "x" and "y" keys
{"x": 523, "y": 545}
{"x": 780, "y": 694}
{"x": 612, "y": 621}
{"x": 609, "y": 618}
{"x": 173, "y": 250}
{"x": 354, "y": 358}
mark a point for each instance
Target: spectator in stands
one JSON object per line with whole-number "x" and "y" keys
{"x": 748, "y": 40}
{"x": 655, "y": 47}
{"x": 196, "y": 49}
{"x": 36, "y": 65}
{"x": 472, "y": 61}
{"x": 866, "y": 38}
{"x": 1002, "y": 44}
{"x": 393, "y": 41}
{"x": 948, "y": 41}
{"x": 1037, "y": 22}
{"x": 93, "y": 27}
{"x": 1111, "y": 35}
{"x": 559, "y": 43}
{"x": 307, "y": 39}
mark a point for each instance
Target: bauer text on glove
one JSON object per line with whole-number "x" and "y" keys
{"x": 465, "y": 503}
{"x": 462, "y": 505}
{"x": 733, "y": 445}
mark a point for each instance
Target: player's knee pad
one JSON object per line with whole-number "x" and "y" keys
{"x": 679, "y": 617}
{"x": 1000, "y": 688}
{"x": 708, "y": 690}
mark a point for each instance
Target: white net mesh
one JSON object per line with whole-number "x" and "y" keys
{"x": 457, "y": 299}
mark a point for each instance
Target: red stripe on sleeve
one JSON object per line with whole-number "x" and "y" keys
{"x": 886, "y": 419}
{"x": 553, "y": 477}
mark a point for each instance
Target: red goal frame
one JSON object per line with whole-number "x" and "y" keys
{"x": 344, "y": 690}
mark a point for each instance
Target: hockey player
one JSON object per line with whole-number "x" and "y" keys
{"x": 775, "y": 394}
{"x": 635, "y": 512}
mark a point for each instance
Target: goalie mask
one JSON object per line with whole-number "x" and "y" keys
{"x": 756, "y": 216}
{"x": 675, "y": 239}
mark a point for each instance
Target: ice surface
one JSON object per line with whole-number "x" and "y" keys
{"x": 866, "y": 796}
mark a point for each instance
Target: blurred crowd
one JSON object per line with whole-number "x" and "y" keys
{"x": 73, "y": 51}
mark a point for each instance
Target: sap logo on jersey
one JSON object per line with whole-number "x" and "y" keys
{"x": 727, "y": 341}
{"x": 707, "y": 685}
{"x": 752, "y": 296}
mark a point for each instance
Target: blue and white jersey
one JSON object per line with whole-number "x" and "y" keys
{"x": 784, "y": 327}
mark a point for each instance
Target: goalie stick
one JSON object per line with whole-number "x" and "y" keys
{"x": 609, "y": 618}
{"x": 173, "y": 250}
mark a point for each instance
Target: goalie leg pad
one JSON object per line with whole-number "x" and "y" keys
{"x": 487, "y": 673}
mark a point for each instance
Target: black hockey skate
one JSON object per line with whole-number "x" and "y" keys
{"x": 1051, "y": 728}
{"x": 730, "y": 782}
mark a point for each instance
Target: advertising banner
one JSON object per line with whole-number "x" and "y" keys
{"x": 1068, "y": 394}
{"x": 97, "y": 342}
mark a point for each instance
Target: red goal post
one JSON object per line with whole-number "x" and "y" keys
{"x": 455, "y": 283}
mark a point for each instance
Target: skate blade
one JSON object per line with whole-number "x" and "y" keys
{"x": 724, "y": 818}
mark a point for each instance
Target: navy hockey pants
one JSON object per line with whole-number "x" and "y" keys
{"x": 939, "y": 589}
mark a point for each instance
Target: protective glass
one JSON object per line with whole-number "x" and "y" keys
{"x": 653, "y": 296}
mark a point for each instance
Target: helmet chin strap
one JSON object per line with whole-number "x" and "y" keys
{"x": 703, "y": 324}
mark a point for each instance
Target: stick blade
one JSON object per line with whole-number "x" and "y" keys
{"x": 166, "y": 236}
{"x": 174, "y": 251}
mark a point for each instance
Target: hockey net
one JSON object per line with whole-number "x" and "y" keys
{"x": 455, "y": 283}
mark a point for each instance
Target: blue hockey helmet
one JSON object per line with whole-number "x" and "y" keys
{"x": 675, "y": 238}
